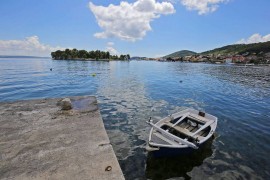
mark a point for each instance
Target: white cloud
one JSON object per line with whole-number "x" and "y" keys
{"x": 111, "y": 49}
{"x": 255, "y": 38}
{"x": 27, "y": 46}
{"x": 110, "y": 43}
{"x": 202, "y": 6}
{"x": 129, "y": 21}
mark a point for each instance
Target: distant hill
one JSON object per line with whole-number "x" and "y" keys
{"x": 228, "y": 50}
{"x": 181, "y": 54}
{"x": 136, "y": 58}
{"x": 240, "y": 49}
{"x": 6, "y": 56}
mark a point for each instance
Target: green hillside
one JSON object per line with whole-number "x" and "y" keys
{"x": 240, "y": 49}
{"x": 181, "y": 54}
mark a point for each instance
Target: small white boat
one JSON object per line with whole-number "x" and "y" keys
{"x": 187, "y": 129}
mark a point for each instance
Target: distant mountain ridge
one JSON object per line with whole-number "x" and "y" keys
{"x": 257, "y": 48}
{"x": 226, "y": 50}
{"x": 182, "y": 53}
{"x": 7, "y": 56}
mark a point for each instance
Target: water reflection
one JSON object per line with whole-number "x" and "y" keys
{"x": 129, "y": 93}
{"x": 250, "y": 76}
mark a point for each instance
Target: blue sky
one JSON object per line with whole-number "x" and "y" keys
{"x": 142, "y": 27}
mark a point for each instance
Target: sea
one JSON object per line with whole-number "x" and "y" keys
{"x": 130, "y": 92}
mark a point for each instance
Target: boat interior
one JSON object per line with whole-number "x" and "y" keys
{"x": 187, "y": 128}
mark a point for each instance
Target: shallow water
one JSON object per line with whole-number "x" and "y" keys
{"x": 130, "y": 92}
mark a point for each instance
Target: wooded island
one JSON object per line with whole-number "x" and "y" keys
{"x": 74, "y": 54}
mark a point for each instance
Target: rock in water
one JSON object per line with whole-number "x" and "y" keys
{"x": 66, "y": 104}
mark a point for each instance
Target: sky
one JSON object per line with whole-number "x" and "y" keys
{"x": 151, "y": 28}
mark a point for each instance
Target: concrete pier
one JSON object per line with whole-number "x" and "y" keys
{"x": 38, "y": 140}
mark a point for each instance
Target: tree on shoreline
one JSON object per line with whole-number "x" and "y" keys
{"x": 68, "y": 54}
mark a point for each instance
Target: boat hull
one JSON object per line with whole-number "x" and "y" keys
{"x": 164, "y": 151}
{"x": 167, "y": 152}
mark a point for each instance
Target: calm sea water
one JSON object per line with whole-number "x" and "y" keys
{"x": 130, "y": 92}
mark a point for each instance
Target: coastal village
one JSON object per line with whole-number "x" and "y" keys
{"x": 249, "y": 54}
{"x": 246, "y": 58}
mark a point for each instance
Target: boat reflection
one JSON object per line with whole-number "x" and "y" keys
{"x": 176, "y": 166}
